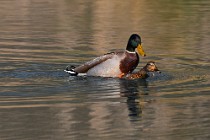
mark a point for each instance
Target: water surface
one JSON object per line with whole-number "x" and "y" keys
{"x": 39, "y": 38}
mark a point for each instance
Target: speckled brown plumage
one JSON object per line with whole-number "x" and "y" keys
{"x": 150, "y": 67}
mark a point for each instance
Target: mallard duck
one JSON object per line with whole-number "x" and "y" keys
{"x": 113, "y": 64}
{"x": 143, "y": 73}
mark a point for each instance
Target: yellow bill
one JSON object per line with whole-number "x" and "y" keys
{"x": 140, "y": 50}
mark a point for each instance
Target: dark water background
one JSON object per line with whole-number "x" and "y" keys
{"x": 39, "y": 38}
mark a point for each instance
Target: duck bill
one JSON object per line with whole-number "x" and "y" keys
{"x": 157, "y": 70}
{"x": 140, "y": 50}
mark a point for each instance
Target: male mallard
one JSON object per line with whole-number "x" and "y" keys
{"x": 143, "y": 73}
{"x": 114, "y": 64}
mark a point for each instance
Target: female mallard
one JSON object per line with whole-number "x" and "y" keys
{"x": 114, "y": 64}
{"x": 143, "y": 73}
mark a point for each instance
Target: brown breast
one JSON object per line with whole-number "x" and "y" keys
{"x": 140, "y": 74}
{"x": 129, "y": 62}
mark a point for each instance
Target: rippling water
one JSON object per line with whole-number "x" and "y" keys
{"x": 39, "y": 38}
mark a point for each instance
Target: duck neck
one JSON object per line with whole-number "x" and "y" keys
{"x": 130, "y": 52}
{"x": 130, "y": 48}
{"x": 143, "y": 71}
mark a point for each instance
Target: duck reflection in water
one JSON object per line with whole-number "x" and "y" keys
{"x": 137, "y": 87}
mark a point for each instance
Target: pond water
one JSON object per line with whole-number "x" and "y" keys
{"x": 39, "y": 38}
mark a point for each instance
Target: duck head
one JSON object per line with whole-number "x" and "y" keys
{"x": 151, "y": 67}
{"x": 135, "y": 42}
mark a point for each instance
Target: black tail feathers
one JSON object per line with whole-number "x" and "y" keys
{"x": 70, "y": 70}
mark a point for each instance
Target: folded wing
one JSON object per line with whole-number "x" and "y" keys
{"x": 90, "y": 64}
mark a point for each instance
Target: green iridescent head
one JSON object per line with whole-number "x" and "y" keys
{"x": 135, "y": 42}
